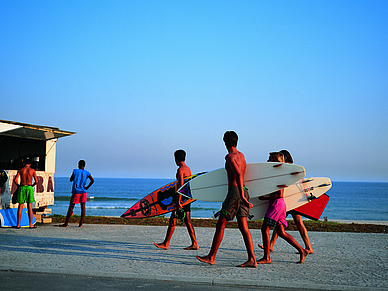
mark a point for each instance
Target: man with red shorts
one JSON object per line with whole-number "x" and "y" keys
{"x": 79, "y": 178}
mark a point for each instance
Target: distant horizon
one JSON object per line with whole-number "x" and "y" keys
{"x": 169, "y": 178}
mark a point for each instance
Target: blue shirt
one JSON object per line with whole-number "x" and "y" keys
{"x": 79, "y": 183}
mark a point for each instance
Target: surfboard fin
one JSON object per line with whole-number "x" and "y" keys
{"x": 215, "y": 215}
{"x": 308, "y": 181}
{"x": 296, "y": 173}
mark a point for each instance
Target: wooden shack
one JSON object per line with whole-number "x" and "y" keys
{"x": 19, "y": 141}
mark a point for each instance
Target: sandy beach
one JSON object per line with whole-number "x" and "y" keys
{"x": 341, "y": 261}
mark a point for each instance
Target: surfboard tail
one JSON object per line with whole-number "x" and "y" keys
{"x": 314, "y": 209}
{"x": 185, "y": 191}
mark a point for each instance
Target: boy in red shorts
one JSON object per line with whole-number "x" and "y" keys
{"x": 78, "y": 177}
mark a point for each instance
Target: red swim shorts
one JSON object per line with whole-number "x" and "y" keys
{"x": 77, "y": 198}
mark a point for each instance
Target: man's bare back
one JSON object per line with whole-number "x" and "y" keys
{"x": 26, "y": 174}
{"x": 235, "y": 165}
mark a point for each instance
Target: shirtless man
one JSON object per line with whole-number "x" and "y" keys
{"x": 236, "y": 203}
{"x": 182, "y": 172}
{"x": 25, "y": 190}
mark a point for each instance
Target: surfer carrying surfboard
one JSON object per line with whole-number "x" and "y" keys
{"x": 297, "y": 218}
{"x": 276, "y": 217}
{"x": 183, "y": 171}
{"x": 235, "y": 204}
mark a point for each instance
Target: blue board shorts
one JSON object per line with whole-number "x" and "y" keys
{"x": 25, "y": 194}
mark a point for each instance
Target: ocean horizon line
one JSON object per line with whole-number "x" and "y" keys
{"x": 169, "y": 178}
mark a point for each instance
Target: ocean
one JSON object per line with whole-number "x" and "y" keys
{"x": 113, "y": 196}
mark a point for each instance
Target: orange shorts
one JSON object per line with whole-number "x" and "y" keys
{"x": 77, "y": 198}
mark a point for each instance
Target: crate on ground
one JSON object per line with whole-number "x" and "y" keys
{"x": 44, "y": 211}
{"x": 47, "y": 220}
{"x": 41, "y": 215}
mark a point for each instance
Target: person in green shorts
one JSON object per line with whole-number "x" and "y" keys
{"x": 25, "y": 190}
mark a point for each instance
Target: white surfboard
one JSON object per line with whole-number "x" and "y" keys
{"x": 296, "y": 195}
{"x": 260, "y": 179}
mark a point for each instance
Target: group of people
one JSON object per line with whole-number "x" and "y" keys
{"x": 25, "y": 191}
{"x": 236, "y": 205}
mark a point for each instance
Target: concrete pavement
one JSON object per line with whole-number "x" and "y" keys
{"x": 341, "y": 261}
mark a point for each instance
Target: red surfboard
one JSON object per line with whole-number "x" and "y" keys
{"x": 313, "y": 209}
{"x": 159, "y": 202}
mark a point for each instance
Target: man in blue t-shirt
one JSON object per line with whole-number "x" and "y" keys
{"x": 79, "y": 178}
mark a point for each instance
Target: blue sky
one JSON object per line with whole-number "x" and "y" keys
{"x": 139, "y": 79}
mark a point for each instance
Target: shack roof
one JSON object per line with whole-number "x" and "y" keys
{"x": 24, "y": 130}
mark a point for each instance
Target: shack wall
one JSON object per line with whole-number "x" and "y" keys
{"x": 43, "y": 191}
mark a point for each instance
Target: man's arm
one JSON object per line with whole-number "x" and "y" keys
{"x": 35, "y": 178}
{"x": 90, "y": 183}
{"x": 15, "y": 180}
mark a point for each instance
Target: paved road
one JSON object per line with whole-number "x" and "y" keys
{"x": 120, "y": 254}
{"x": 22, "y": 281}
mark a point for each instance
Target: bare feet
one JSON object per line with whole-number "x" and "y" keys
{"x": 192, "y": 247}
{"x": 303, "y": 256}
{"x": 308, "y": 251}
{"x": 63, "y": 225}
{"x": 262, "y": 247}
{"x": 248, "y": 264}
{"x": 264, "y": 261}
{"x": 161, "y": 246}
{"x": 206, "y": 259}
